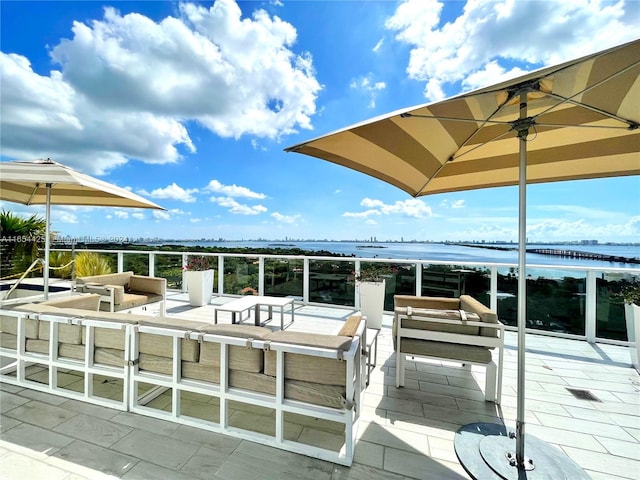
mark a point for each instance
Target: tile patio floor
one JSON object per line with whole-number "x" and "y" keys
{"x": 404, "y": 433}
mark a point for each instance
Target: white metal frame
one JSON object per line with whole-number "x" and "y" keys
{"x": 493, "y": 382}
{"x": 348, "y": 415}
{"x": 15, "y": 372}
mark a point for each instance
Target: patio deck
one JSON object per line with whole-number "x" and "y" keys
{"x": 404, "y": 433}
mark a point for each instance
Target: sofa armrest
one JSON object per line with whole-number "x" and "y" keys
{"x": 121, "y": 279}
{"x": 470, "y": 304}
{"x": 140, "y": 283}
{"x": 114, "y": 294}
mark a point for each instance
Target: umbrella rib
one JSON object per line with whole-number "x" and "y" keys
{"x": 33, "y": 193}
{"x": 455, "y": 119}
{"x": 631, "y": 124}
{"x": 497, "y": 137}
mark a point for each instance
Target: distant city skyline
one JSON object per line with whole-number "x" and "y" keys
{"x": 191, "y": 105}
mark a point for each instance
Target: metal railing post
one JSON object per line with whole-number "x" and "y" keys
{"x": 261, "y": 275}
{"x": 493, "y": 290}
{"x": 152, "y": 264}
{"x": 221, "y": 275}
{"x": 590, "y": 307}
{"x": 305, "y": 280}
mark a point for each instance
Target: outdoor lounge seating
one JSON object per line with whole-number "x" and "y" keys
{"x": 263, "y": 386}
{"x": 124, "y": 291}
{"x": 455, "y": 329}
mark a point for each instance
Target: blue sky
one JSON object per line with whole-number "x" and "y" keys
{"x": 191, "y": 104}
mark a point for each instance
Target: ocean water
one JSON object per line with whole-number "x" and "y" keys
{"x": 460, "y": 254}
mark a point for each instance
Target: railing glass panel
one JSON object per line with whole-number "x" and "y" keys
{"x": 331, "y": 281}
{"x": 136, "y": 262}
{"x": 241, "y": 275}
{"x": 610, "y": 319}
{"x": 283, "y": 277}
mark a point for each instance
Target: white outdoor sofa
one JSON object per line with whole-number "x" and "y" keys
{"x": 258, "y": 385}
{"x": 125, "y": 290}
{"x": 461, "y": 330}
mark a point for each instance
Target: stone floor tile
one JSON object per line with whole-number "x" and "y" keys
{"x": 153, "y": 425}
{"x": 7, "y": 422}
{"x": 98, "y": 411}
{"x": 9, "y": 401}
{"x": 149, "y": 471}
{"x": 44, "y": 397}
{"x": 369, "y": 454}
{"x": 38, "y": 440}
{"x": 565, "y": 437}
{"x": 84, "y": 458}
{"x": 364, "y": 472}
{"x": 159, "y": 449}
{"x": 602, "y": 462}
{"x": 620, "y": 448}
{"x": 420, "y": 466}
{"x": 16, "y": 466}
{"x": 204, "y": 463}
{"x": 93, "y": 430}
{"x": 41, "y": 414}
{"x": 7, "y": 387}
{"x": 216, "y": 441}
{"x": 389, "y": 436}
{"x": 584, "y": 426}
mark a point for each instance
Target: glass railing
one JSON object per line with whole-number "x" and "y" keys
{"x": 561, "y": 300}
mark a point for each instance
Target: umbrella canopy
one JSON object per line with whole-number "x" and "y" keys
{"x": 573, "y": 121}
{"x": 584, "y": 116}
{"x": 26, "y": 183}
{"x": 45, "y": 182}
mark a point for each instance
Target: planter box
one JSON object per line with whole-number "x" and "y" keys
{"x": 372, "y": 302}
{"x": 632, "y": 316}
{"x": 200, "y": 286}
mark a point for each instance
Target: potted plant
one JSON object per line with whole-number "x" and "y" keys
{"x": 630, "y": 295}
{"x": 198, "y": 278}
{"x": 370, "y": 288}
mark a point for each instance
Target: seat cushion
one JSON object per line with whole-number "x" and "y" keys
{"x": 452, "y": 351}
{"x": 162, "y": 346}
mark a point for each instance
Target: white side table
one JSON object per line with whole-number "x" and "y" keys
{"x": 372, "y": 345}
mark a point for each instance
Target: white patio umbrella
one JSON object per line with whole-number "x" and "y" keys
{"x": 572, "y": 121}
{"x": 45, "y": 182}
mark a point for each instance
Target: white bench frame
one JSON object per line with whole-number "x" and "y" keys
{"x": 493, "y": 381}
{"x": 14, "y": 373}
{"x": 348, "y": 415}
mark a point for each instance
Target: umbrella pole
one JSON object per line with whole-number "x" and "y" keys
{"x": 45, "y": 273}
{"x": 523, "y": 131}
{"x": 485, "y": 450}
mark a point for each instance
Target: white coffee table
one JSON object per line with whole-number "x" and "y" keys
{"x": 245, "y": 304}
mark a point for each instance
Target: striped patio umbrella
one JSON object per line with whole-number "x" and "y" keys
{"x": 45, "y": 182}
{"x": 572, "y": 121}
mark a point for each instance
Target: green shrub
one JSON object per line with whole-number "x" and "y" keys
{"x": 91, "y": 263}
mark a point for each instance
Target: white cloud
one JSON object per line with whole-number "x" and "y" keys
{"x": 138, "y": 216}
{"x": 458, "y": 204}
{"x": 413, "y": 208}
{"x": 173, "y": 192}
{"x": 481, "y": 45}
{"x": 365, "y": 214}
{"x": 237, "y": 208}
{"x": 161, "y": 215}
{"x": 120, "y": 214}
{"x": 369, "y": 87}
{"x": 289, "y": 219}
{"x": 232, "y": 190}
{"x": 378, "y": 45}
{"x": 126, "y": 86}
